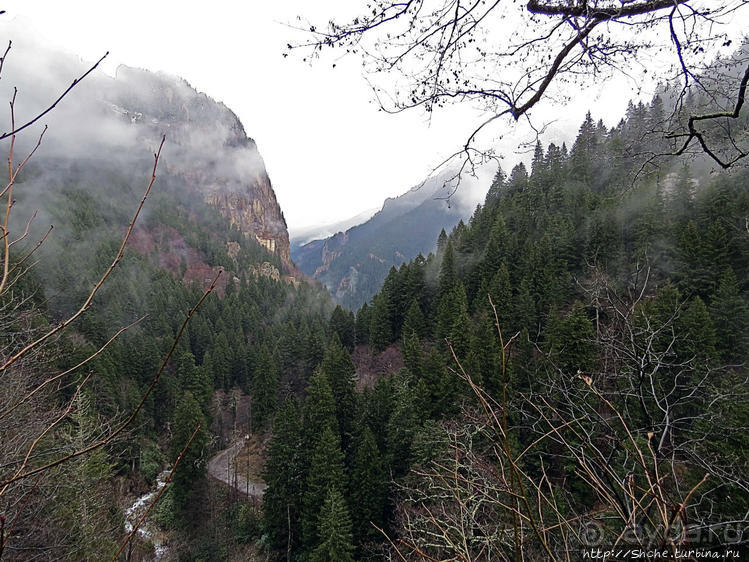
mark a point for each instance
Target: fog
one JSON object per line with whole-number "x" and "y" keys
{"x": 121, "y": 120}
{"x": 461, "y": 192}
{"x": 97, "y": 154}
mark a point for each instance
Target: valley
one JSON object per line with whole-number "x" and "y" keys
{"x": 525, "y": 366}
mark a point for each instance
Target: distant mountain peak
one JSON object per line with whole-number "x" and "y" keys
{"x": 354, "y": 263}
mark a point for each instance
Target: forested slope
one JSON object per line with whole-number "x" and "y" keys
{"x": 353, "y": 264}
{"x": 103, "y": 380}
{"x": 257, "y": 332}
{"x": 575, "y": 362}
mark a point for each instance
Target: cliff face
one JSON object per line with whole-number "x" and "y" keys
{"x": 206, "y": 146}
{"x": 255, "y": 211}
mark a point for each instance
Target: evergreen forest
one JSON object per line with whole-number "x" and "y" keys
{"x": 568, "y": 370}
{"x": 573, "y": 361}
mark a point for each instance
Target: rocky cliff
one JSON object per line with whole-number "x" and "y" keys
{"x": 255, "y": 211}
{"x": 207, "y": 147}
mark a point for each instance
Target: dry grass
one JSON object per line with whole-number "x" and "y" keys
{"x": 250, "y": 462}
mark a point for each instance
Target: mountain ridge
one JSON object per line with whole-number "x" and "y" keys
{"x": 247, "y": 200}
{"x": 352, "y": 264}
{"x": 116, "y": 123}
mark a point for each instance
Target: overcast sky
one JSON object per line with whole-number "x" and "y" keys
{"x": 329, "y": 152}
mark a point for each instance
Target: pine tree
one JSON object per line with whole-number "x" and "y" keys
{"x": 681, "y": 202}
{"x": 697, "y": 337}
{"x": 284, "y": 473}
{"x": 521, "y": 375}
{"x": 368, "y": 488}
{"x": 483, "y": 357}
{"x": 265, "y": 386}
{"x": 340, "y": 371}
{"x": 730, "y": 314}
{"x": 412, "y": 356}
{"x": 220, "y": 359}
{"x": 187, "y": 416}
{"x": 441, "y": 241}
{"x": 501, "y": 292}
{"x": 414, "y": 321}
{"x": 415, "y": 280}
{"x": 523, "y": 310}
{"x": 380, "y": 330}
{"x": 518, "y": 181}
{"x": 363, "y": 320}
{"x": 538, "y": 165}
{"x": 581, "y": 159}
{"x": 343, "y": 324}
{"x": 496, "y": 187}
{"x": 336, "y": 539}
{"x": 195, "y": 379}
{"x": 452, "y": 306}
{"x": 319, "y": 408}
{"x": 402, "y": 423}
{"x": 314, "y": 350}
{"x": 434, "y": 374}
{"x": 571, "y": 341}
{"x": 497, "y": 249}
{"x": 327, "y": 471}
{"x": 448, "y": 271}
{"x": 460, "y": 329}
{"x": 289, "y": 349}
{"x": 555, "y": 164}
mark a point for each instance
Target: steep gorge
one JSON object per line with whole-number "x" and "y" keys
{"x": 353, "y": 264}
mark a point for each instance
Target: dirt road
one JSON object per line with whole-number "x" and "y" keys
{"x": 219, "y": 467}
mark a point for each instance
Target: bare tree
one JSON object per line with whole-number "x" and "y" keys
{"x": 51, "y": 442}
{"x": 506, "y": 57}
{"x": 623, "y": 458}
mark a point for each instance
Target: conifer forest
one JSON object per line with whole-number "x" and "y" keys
{"x": 563, "y": 376}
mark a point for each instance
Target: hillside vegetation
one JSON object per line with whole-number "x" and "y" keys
{"x": 574, "y": 373}
{"x": 567, "y": 370}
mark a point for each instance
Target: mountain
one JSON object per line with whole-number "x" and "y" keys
{"x": 614, "y": 346}
{"x": 114, "y": 125}
{"x": 303, "y": 235}
{"x": 353, "y": 264}
{"x": 213, "y": 153}
{"x": 89, "y": 325}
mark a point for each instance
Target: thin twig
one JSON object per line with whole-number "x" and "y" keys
{"x": 15, "y": 130}
{"x": 138, "y": 523}
{"x": 137, "y": 409}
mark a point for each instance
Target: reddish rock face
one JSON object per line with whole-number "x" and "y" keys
{"x": 255, "y": 212}
{"x": 206, "y": 146}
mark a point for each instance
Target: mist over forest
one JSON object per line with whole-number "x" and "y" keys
{"x": 555, "y": 370}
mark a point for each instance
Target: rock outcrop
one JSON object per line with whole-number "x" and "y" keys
{"x": 207, "y": 147}
{"x": 255, "y": 211}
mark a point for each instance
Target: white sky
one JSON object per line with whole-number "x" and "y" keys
{"x": 328, "y": 150}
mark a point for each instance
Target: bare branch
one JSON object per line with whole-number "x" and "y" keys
{"x": 14, "y": 130}
{"x": 584, "y": 9}
{"x": 118, "y": 257}
{"x": 111, "y": 436}
{"x": 695, "y": 134}
{"x": 59, "y": 376}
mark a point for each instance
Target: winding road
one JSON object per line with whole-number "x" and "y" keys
{"x": 219, "y": 467}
